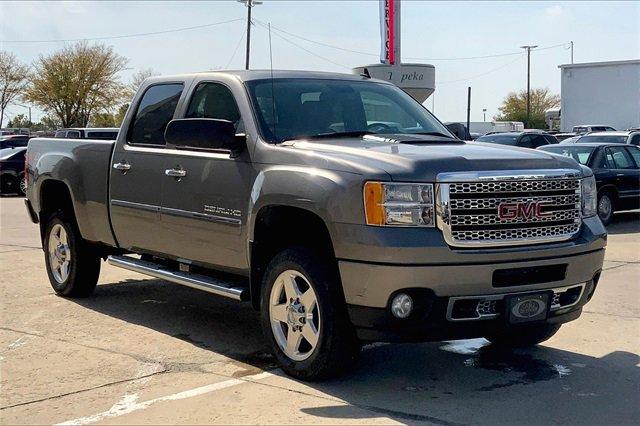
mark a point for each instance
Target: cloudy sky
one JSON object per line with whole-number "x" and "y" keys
{"x": 436, "y": 32}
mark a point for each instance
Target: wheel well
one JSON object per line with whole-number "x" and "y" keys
{"x": 279, "y": 227}
{"x": 54, "y": 195}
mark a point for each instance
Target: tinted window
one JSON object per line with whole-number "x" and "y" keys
{"x": 102, "y": 135}
{"x": 579, "y": 153}
{"x": 621, "y": 158}
{"x": 154, "y": 113}
{"x": 60, "y": 134}
{"x": 14, "y": 141}
{"x": 635, "y": 153}
{"x": 502, "y": 139}
{"x": 603, "y": 138}
{"x": 635, "y": 139}
{"x": 73, "y": 134}
{"x": 213, "y": 100}
{"x": 551, "y": 139}
{"x": 538, "y": 140}
{"x": 295, "y": 108}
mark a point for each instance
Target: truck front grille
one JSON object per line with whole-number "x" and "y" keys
{"x": 513, "y": 210}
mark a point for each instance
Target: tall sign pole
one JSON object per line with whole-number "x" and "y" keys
{"x": 528, "y": 49}
{"x": 249, "y": 4}
{"x": 390, "y": 32}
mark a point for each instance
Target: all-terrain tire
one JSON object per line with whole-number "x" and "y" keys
{"x": 337, "y": 346}
{"x": 80, "y": 276}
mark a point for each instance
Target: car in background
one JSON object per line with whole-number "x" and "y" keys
{"x": 13, "y": 141}
{"x": 106, "y": 133}
{"x": 525, "y": 139}
{"x": 629, "y": 137}
{"x": 617, "y": 171}
{"x": 564, "y": 136}
{"x": 570, "y": 140}
{"x": 12, "y": 179}
{"x": 588, "y": 128}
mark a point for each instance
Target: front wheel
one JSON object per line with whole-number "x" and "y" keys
{"x": 605, "y": 208}
{"x": 72, "y": 265}
{"x": 523, "y": 336}
{"x": 304, "y": 316}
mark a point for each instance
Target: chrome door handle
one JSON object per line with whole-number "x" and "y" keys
{"x": 123, "y": 167}
{"x": 176, "y": 173}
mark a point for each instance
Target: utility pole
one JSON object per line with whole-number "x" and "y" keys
{"x": 528, "y": 49}
{"x": 249, "y": 4}
{"x": 484, "y": 114}
{"x": 468, "y": 108}
{"x": 572, "y": 51}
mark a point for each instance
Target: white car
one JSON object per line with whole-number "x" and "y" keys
{"x": 587, "y": 128}
{"x": 628, "y": 137}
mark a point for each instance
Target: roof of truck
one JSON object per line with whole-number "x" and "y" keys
{"x": 247, "y": 75}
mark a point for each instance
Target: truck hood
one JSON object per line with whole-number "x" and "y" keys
{"x": 421, "y": 158}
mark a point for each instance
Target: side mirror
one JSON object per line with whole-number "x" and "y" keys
{"x": 204, "y": 134}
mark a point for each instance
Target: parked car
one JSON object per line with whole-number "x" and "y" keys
{"x": 573, "y": 139}
{"x": 525, "y": 139}
{"x": 12, "y": 178}
{"x": 629, "y": 137}
{"x": 617, "y": 173}
{"x": 588, "y": 128}
{"x": 238, "y": 184}
{"x": 12, "y": 141}
{"x": 106, "y": 133}
{"x": 563, "y": 136}
{"x": 459, "y": 130}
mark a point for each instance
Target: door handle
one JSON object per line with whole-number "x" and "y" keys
{"x": 123, "y": 167}
{"x": 176, "y": 173}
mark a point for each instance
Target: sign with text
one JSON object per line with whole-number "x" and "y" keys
{"x": 390, "y": 31}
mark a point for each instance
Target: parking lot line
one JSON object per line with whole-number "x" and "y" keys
{"x": 128, "y": 403}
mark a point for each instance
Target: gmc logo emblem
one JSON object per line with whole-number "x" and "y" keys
{"x": 530, "y": 210}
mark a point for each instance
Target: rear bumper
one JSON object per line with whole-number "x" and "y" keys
{"x": 429, "y": 321}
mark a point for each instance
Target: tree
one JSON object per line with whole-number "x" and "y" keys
{"x": 102, "y": 119}
{"x": 138, "y": 78}
{"x": 19, "y": 121}
{"x": 118, "y": 117}
{"x": 78, "y": 81}
{"x": 13, "y": 80}
{"x": 514, "y": 107}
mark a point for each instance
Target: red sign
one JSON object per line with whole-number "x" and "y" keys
{"x": 389, "y": 30}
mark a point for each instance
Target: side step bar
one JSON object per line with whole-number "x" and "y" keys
{"x": 200, "y": 282}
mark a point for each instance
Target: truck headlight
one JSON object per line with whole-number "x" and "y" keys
{"x": 399, "y": 204}
{"x": 589, "y": 196}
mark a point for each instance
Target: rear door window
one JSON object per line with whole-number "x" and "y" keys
{"x": 155, "y": 110}
{"x": 621, "y": 158}
{"x": 635, "y": 153}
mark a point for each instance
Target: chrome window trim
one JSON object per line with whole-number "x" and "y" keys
{"x": 501, "y": 296}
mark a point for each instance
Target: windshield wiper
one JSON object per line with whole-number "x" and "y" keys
{"x": 433, "y": 134}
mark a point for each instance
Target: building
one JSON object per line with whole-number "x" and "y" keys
{"x": 605, "y": 93}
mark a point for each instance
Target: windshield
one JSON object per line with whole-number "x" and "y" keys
{"x": 311, "y": 107}
{"x": 501, "y": 139}
{"x": 579, "y": 153}
{"x": 603, "y": 138}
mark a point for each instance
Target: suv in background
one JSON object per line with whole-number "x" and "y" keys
{"x": 106, "y": 133}
{"x": 628, "y": 137}
{"x": 526, "y": 139}
{"x": 588, "y": 128}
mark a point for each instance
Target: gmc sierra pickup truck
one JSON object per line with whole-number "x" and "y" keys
{"x": 335, "y": 204}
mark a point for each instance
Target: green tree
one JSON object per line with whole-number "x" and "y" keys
{"x": 78, "y": 81}
{"x": 13, "y": 80}
{"x": 514, "y": 107}
{"x": 19, "y": 121}
{"x": 102, "y": 119}
{"x": 119, "y": 115}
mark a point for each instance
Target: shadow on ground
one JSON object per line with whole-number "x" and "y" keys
{"x": 443, "y": 383}
{"x": 625, "y": 223}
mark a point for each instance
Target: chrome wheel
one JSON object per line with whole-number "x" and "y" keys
{"x": 23, "y": 185}
{"x": 294, "y": 315}
{"x": 59, "y": 253}
{"x": 604, "y": 207}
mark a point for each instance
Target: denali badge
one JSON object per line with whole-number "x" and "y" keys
{"x": 528, "y": 308}
{"x": 522, "y": 210}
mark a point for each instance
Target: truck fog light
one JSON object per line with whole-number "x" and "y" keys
{"x": 401, "y": 305}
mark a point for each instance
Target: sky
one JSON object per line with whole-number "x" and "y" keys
{"x": 436, "y": 32}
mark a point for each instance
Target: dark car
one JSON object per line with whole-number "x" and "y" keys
{"x": 617, "y": 171}
{"x": 12, "y": 141}
{"x": 630, "y": 137}
{"x": 12, "y": 179}
{"x": 521, "y": 139}
{"x": 106, "y": 133}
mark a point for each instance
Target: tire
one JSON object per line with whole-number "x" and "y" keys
{"x": 523, "y": 336}
{"x": 8, "y": 184}
{"x": 336, "y": 347}
{"x": 22, "y": 184}
{"x": 605, "y": 207}
{"x": 73, "y": 266}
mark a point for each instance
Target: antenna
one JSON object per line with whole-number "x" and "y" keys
{"x": 273, "y": 96}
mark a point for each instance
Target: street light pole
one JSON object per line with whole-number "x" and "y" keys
{"x": 484, "y": 114}
{"x": 249, "y": 4}
{"x": 528, "y": 49}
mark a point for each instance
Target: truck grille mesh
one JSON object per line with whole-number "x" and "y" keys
{"x": 473, "y": 212}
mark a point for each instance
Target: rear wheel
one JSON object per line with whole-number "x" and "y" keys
{"x": 73, "y": 266}
{"x": 23, "y": 185}
{"x": 605, "y": 207}
{"x": 304, "y": 317}
{"x": 523, "y": 336}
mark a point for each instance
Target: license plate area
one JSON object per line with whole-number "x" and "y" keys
{"x": 527, "y": 307}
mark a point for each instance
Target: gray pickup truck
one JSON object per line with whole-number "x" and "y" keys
{"x": 335, "y": 204}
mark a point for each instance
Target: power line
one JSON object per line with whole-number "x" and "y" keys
{"x": 484, "y": 73}
{"x": 236, "y": 49}
{"x": 175, "y": 30}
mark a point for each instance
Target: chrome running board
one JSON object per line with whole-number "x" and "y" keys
{"x": 200, "y": 282}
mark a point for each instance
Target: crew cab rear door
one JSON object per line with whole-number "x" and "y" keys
{"x": 137, "y": 169}
{"x": 204, "y": 210}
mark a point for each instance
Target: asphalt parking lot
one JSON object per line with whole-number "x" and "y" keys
{"x": 145, "y": 351}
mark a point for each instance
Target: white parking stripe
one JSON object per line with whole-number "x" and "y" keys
{"x": 128, "y": 403}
